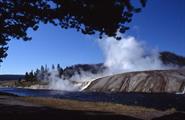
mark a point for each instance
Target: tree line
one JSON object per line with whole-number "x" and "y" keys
{"x": 43, "y": 73}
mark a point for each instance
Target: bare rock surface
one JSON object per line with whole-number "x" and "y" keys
{"x": 170, "y": 81}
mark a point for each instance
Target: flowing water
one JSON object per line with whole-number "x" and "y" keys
{"x": 153, "y": 100}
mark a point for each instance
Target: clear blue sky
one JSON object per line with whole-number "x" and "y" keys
{"x": 161, "y": 24}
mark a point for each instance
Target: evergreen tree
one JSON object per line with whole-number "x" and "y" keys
{"x": 58, "y": 67}
{"x": 53, "y": 67}
{"x": 26, "y": 77}
{"x": 31, "y": 75}
{"x": 105, "y": 17}
{"x": 36, "y": 72}
{"x": 60, "y": 70}
{"x": 40, "y": 75}
{"x": 42, "y": 69}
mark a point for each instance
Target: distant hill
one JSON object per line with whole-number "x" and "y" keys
{"x": 68, "y": 72}
{"x": 11, "y": 77}
{"x": 167, "y": 58}
{"x": 172, "y": 58}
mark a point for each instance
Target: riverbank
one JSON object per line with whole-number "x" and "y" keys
{"x": 17, "y": 108}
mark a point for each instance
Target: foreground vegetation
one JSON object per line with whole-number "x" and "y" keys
{"x": 30, "y": 107}
{"x": 133, "y": 111}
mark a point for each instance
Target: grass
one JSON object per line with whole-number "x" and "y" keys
{"x": 133, "y": 111}
{"x": 17, "y": 83}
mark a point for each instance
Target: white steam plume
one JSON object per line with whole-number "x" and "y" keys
{"x": 125, "y": 55}
{"x": 77, "y": 82}
{"x": 56, "y": 82}
{"x": 128, "y": 54}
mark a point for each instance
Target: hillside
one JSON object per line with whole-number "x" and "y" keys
{"x": 11, "y": 77}
{"x": 167, "y": 58}
{"x": 171, "y": 81}
{"x": 172, "y": 58}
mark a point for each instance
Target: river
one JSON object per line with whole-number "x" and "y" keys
{"x": 152, "y": 100}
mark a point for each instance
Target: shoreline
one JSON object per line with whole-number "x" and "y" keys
{"x": 43, "y": 107}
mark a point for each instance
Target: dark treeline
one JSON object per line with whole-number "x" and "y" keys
{"x": 43, "y": 73}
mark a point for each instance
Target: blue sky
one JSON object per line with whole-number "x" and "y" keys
{"x": 161, "y": 25}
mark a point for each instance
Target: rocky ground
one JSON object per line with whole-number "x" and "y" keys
{"x": 170, "y": 81}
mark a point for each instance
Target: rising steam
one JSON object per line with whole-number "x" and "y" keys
{"x": 125, "y": 55}
{"x": 128, "y": 55}
{"x": 77, "y": 82}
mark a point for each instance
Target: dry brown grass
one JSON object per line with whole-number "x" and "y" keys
{"x": 7, "y": 83}
{"x": 134, "y": 111}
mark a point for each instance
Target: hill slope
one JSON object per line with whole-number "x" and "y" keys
{"x": 167, "y": 58}
{"x": 171, "y": 81}
{"x": 11, "y": 77}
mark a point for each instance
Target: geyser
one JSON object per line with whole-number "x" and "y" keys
{"x": 125, "y": 55}
{"x": 129, "y": 54}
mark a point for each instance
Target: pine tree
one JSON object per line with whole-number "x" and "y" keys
{"x": 53, "y": 67}
{"x": 40, "y": 75}
{"x": 42, "y": 68}
{"x": 26, "y": 77}
{"x": 58, "y": 66}
{"x": 60, "y": 70}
